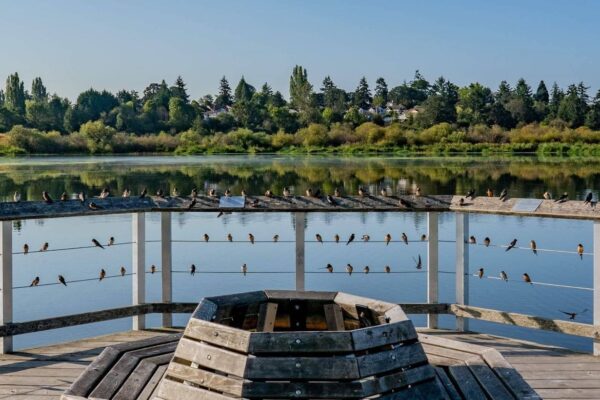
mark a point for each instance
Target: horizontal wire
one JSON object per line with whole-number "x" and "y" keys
{"x": 71, "y": 248}
{"x": 356, "y": 241}
{"x": 504, "y": 246}
{"x": 81, "y": 280}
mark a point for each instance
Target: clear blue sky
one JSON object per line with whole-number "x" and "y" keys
{"x": 74, "y": 45}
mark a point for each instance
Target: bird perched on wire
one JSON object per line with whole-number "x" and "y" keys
{"x": 350, "y": 239}
{"x": 471, "y": 194}
{"x": 152, "y": 268}
{"x": 64, "y": 196}
{"x": 533, "y": 246}
{"x": 349, "y": 269}
{"x": 572, "y": 315}
{"x": 490, "y": 193}
{"x": 319, "y": 238}
{"x": 336, "y": 238}
{"x": 94, "y": 206}
{"x": 503, "y": 276}
{"x": 206, "y": 238}
{"x": 387, "y": 269}
{"x": 286, "y": 192}
{"x": 111, "y": 241}
{"x": 17, "y": 197}
{"x": 144, "y": 193}
{"x": 329, "y": 268}
{"x": 480, "y": 273}
{"x": 418, "y": 262}
{"x": 365, "y": 238}
{"x": 580, "y": 251}
{"x": 62, "y": 280}
{"x": 35, "y": 281}
{"x": 25, "y": 248}
{"x": 275, "y": 238}
{"x": 126, "y": 193}
{"x": 404, "y": 238}
{"x": 562, "y": 199}
{"x": 337, "y": 193}
{"x": 362, "y": 191}
{"x": 244, "y": 269}
{"x": 547, "y": 195}
{"x": 192, "y": 203}
{"x": 45, "y": 246}
{"x": 511, "y": 245}
{"x": 97, "y": 243}
{"x": 102, "y": 274}
{"x": 123, "y": 271}
{"x": 251, "y": 238}
{"x": 104, "y": 193}
{"x": 486, "y": 242}
{"x": 504, "y": 194}
{"x": 192, "y": 270}
{"x": 366, "y": 269}
{"x": 423, "y": 237}
{"x": 588, "y": 198}
{"x": 229, "y": 237}
{"x": 472, "y": 240}
{"x": 174, "y": 192}
{"x": 46, "y": 197}
{"x": 527, "y": 279}
{"x": 388, "y": 239}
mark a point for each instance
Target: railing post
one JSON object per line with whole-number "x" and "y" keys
{"x": 6, "y": 297}
{"x": 462, "y": 266}
{"x": 432, "y": 266}
{"x": 138, "y": 265}
{"x": 596, "y": 301}
{"x": 300, "y": 250}
{"x": 166, "y": 265}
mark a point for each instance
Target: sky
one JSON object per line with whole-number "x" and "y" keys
{"x": 114, "y": 44}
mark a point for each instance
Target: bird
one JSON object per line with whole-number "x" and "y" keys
{"x": 504, "y": 194}
{"x": 111, "y": 241}
{"x": 366, "y": 269}
{"x": 94, "y": 206}
{"x": 486, "y": 242}
{"x": 97, "y": 243}
{"x": 387, "y": 269}
{"x": 527, "y": 279}
{"x": 275, "y": 238}
{"x": 227, "y": 192}
{"x": 45, "y": 246}
{"x": 562, "y": 199}
{"x": 336, "y": 237}
{"x": 572, "y": 315}
{"x": 251, "y": 238}
{"x": 194, "y": 193}
{"x": 46, "y": 197}
{"x": 472, "y": 240}
{"x": 418, "y": 262}
{"x": 144, "y": 193}
{"x": 512, "y": 244}
{"x": 123, "y": 271}
{"x": 471, "y": 194}
{"x": 126, "y": 193}
{"x": 286, "y": 192}
{"x": 152, "y": 268}
{"x": 533, "y": 246}
{"x": 268, "y": 193}
{"x": 35, "y": 281}
{"x": 104, "y": 193}
{"x": 160, "y": 193}
{"x": 383, "y": 192}
{"x": 388, "y": 239}
{"x": 331, "y": 200}
{"x": 244, "y": 269}
{"x": 461, "y": 202}
{"x": 319, "y": 238}
{"x": 547, "y": 195}
{"x": 490, "y": 193}
{"x": 229, "y": 237}
{"x": 192, "y": 203}
{"x": 418, "y": 191}
{"x": 580, "y": 250}
{"x": 62, "y": 280}
{"x": 102, "y": 274}
{"x": 362, "y": 192}
{"x": 337, "y": 193}
{"x": 329, "y": 268}
{"x": 17, "y": 197}
{"x": 350, "y": 239}
{"x": 365, "y": 238}
{"x": 25, "y": 248}
{"x": 206, "y": 238}
{"x": 503, "y": 276}
{"x": 174, "y": 192}
{"x": 64, "y": 196}
{"x": 349, "y": 269}
{"x": 588, "y": 198}
{"x": 423, "y": 237}
{"x": 192, "y": 270}
{"x": 405, "y": 238}
{"x": 480, "y": 273}
{"x": 309, "y": 192}
{"x": 405, "y": 203}
{"x": 212, "y": 193}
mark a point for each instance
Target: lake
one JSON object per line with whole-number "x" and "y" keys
{"x": 274, "y": 262}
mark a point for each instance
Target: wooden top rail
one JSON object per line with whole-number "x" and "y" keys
{"x": 442, "y": 203}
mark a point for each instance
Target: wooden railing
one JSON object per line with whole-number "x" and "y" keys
{"x": 432, "y": 205}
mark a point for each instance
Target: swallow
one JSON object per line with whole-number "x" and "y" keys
{"x": 126, "y": 193}
{"x": 25, "y": 248}
{"x": 275, "y": 238}
{"x": 533, "y": 246}
{"x": 512, "y": 244}
{"x": 97, "y": 243}
{"x": 349, "y": 269}
{"x": 329, "y": 268}
{"x": 206, "y": 238}
{"x": 331, "y": 200}
{"x": 268, "y": 193}
{"x": 362, "y": 192}
{"x": 35, "y": 282}
{"x": 486, "y": 242}
{"x": 212, "y": 193}
{"x": 480, "y": 273}
{"x": 45, "y": 247}
{"x": 254, "y": 203}
{"x": 490, "y": 193}
{"x": 383, "y": 192}
{"x": 192, "y": 270}
{"x": 350, "y": 239}
{"x": 572, "y": 315}
{"x": 46, "y": 197}
{"x": 423, "y": 237}
{"x": 160, "y": 193}
{"x": 388, "y": 239}
{"x": 527, "y": 279}
{"x": 152, "y": 268}
{"x": 319, "y": 238}
{"x": 405, "y": 203}
{"x": 418, "y": 191}
{"x": 104, "y": 193}
{"x": 62, "y": 280}
{"x": 102, "y": 274}
{"x": 588, "y": 198}
{"x": 365, "y": 238}
{"x": 244, "y": 269}
{"x": 336, "y": 238}
{"x": 144, "y": 193}
{"x": 229, "y": 237}
{"x": 366, "y": 269}
{"x": 461, "y": 202}
{"x": 471, "y": 194}
{"x": 227, "y": 193}
{"x": 562, "y": 199}
{"x": 504, "y": 194}
{"x": 251, "y": 238}
{"x": 81, "y": 197}
{"x": 123, "y": 271}
{"x": 387, "y": 269}
{"x": 405, "y": 238}
{"x": 64, "y": 196}
{"x": 580, "y": 250}
{"x": 309, "y": 192}
{"x": 17, "y": 197}
{"x": 547, "y": 195}
{"x": 192, "y": 203}
{"x": 418, "y": 262}
{"x": 194, "y": 193}
{"x": 174, "y": 192}
{"x": 337, "y": 193}
{"x": 111, "y": 241}
{"x": 244, "y": 194}
{"x": 94, "y": 206}
{"x": 286, "y": 192}
{"x": 472, "y": 240}
{"x": 503, "y": 276}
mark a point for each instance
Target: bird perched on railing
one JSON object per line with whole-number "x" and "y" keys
{"x": 547, "y": 195}
{"x": 486, "y": 242}
{"x": 461, "y": 202}
{"x": 336, "y": 238}
{"x": 35, "y": 281}
{"x": 194, "y": 193}
{"x": 192, "y": 270}
{"x": 229, "y": 237}
{"x": 268, "y": 193}
{"x": 350, "y": 239}
{"x": 275, "y": 238}
{"x": 588, "y": 198}
{"x": 331, "y": 200}
{"x": 580, "y": 251}
{"x": 17, "y": 197}
{"x": 251, "y": 238}
{"x": 46, "y": 197}
{"x": 160, "y": 193}
{"x": 104, "y": 193}
{"x": 97, "y": 243}
{"x": 418, "y": 191}
{"x": 102, "y": 274}
{"x": 144, "y": 193}
{"x": 123, "y": 271}
{"x": 309, "y": 192}
{"x": 383, "y": 192}
{"x": 511, "y": 245}
{"x": 404, "y": 238}
{"x": 503, "y": 276}
{"x": 349, "y": 269}
{"x": 471, "y": 194}
{"x": 504, "y": 195}
{"x": 388, "y": 239}
{"x": 562, "y": 199}
{"x": 362, "y": 191}
{"x": 94, "y": 206}
{"x": 126, "y": 193}
{"x": 244, "y": 269}
{"x": 319, "y": 238}
{"x": 192, "y": 203}
{"x": 533, "y": 246}
{"x": 527, "y": 278}
{"x": 62, "y": 280}
{"x": 174, "y": 192}
{"x": 25, "y": 248}
{"x": 286, "y": 192}
{"x": 490, "y": 193}
{"x": 212, "y": 193}
{"x": 227, "y": 193}
{"x": 480, "y": 273}
{"x": 337, "y": 193}
{"x": 64, "y": 196}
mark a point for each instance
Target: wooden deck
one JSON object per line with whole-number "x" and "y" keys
{"x": 45, "y": 372}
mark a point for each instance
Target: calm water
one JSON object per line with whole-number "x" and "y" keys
{"x": 275, "y": 262}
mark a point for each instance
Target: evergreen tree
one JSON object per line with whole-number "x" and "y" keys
{"x": 592, "y": 119}
{"x": 244, "y": 91}
{"x": 381, "y": 93}
{"x": 224, "y": 99}
{"x": 440, "y": 106}
{"x": 541, "y": 94}
{"x": 520, "y": 105}
{"x": 38, "y": 90}
{"x": 362, "y": 95}
{"x": 14, "y": 97}
{"x": 556, "y": 97}
{"x": 1, "y": 98}
{"x": 179, "y": 90}
{"x": 573, "y": 107}
{"x": 301, "y": 96}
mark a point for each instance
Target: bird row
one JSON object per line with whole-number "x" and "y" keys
{"x": 46, "y": 245}
{"x": 532, "y": 245}
{"x": 471, "y": 194}
{"x": 319, "y": 238}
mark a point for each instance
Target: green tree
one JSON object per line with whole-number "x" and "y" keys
{"x": 244, "y": 91}
{"x": 38, "y": 115}
{"x": 555, "y": 99}
{"x": 334, "y": 99}
{"x": 440, "y": 106}
{"x": 541, "y": 94}
{"x": 381, "y": 93}
{"x": 99, "y": 136}
{"x": 362, "y": 95}
{"x": 224, "y": 99}
{"x": 520, "y": 105}
{"x": 91, "y": 105}
{"x": 179, "y": 90}
{"x": 476, "y": 103}
{"x": 38, "y": 90}
{"x": 592, "y": 119}
{"x": 573, "y": 107}
{"x": 181, "y": 114}
{"x": 301, "y": 96}
{"x": 15, "y": 95}
{"x": 1, "y": 98}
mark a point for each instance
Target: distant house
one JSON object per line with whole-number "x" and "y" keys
{"x": 412, "y": 112}
{"x": 216, "y": 112}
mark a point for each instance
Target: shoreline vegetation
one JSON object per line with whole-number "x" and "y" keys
{"x": 413, "y": 118}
